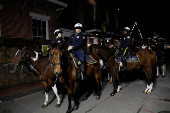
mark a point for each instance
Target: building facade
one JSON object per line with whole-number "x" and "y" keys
{"x": 29, "y": 19}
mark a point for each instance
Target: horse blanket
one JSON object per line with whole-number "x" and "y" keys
{"x": 88, "y": 58}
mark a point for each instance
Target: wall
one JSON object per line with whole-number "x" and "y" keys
{"x": 15, "y": 23}
{"x": 8, "y": 48}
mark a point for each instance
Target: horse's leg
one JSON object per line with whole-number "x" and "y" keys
{"x": 108, "y": 77}
{"x": 45, "y": 85}
{"x": 163, "y": 70}
{"x": 97, "y": 77}
{"x": 111, "y": 79}
{"x": 70, "y": 92}
{"x": 56, "y": 93}
{"x": 119, "y": 85}
{"x": 88, "y": 92}
{"x": 157, "y": 71}
{"x": 76, "y": 106}
{"x": 148, "y": 72}
{"x": 115, "y": 82}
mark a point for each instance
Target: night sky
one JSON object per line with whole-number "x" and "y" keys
{"x": 151, "y": 16}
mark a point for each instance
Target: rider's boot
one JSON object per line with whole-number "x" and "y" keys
{"x": 124, "y": 67}
{"x": 83, "y": 71}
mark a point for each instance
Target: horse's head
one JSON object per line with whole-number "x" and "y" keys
{"x": 116, "y": 43}
{"x": 145, "y": 46}
{"x": 20, "y": 56}
{"x": 55, "y": 57}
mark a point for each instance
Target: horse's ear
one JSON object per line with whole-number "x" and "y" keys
{"x": 49, "y": 46}
{"x": 22, "y": 46}
{"x": 25, "y": 46}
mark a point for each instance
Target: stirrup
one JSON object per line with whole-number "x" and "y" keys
{"x": 83, "y": 76}
{"x": 78, "y": 75}
{"x": 123, "y": 68}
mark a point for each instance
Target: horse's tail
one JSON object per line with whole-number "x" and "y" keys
{"x": 154, "y": 69}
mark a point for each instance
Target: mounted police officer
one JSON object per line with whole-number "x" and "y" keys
{"x": 155, "y": 44}
{"x": 57, "y": 39}
{"x": 102, "y": 42}
{"x": 125, "y": 47}
{"x": 76, "y": 43}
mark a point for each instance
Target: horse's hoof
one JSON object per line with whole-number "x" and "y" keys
{"x": 111, "y": 82}
{"x": 68, "y": 111}
{"x": 148, "y": 92}
{"x": 44, "y": 106}
{"x": 97, "y": 97}
{"x": 76, "y": 107}
{"x": 57, "y": 105}
{"x": 118, "y": 91}
{"x": 72, "y": 99}
{"x": 145, "y": 91}
{"x": 85, "y": 98}
{"x": 112, "y": 94}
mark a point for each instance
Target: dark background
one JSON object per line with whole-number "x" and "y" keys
{"x": 151, "y": 16}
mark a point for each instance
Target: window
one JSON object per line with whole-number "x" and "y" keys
{"x": 38, "y": 29}
{"x": 39, "y": 26}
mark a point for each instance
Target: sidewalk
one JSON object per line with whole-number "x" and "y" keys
{"x": 18, "y": 91}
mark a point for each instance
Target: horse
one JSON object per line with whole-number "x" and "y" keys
{"x": 146, "y": 58}
{"x": 160, "y": 59}
{"x": 41, "y": 66}
{"x": 69, "y": 77}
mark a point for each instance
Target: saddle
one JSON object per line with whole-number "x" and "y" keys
{"x": 76, "y": 61}
{"x": 130, "y": 57}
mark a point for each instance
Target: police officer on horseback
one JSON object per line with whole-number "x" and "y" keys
{"x": 76, "y": 43}
{"x": 125, "y": 47}
{"x": 57, "y": 39}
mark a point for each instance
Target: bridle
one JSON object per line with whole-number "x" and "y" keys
{"x": 54, "y": 64}
{"x": 21, "y": 59}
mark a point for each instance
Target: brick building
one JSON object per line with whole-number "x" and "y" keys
{"x": 30, "y": 19}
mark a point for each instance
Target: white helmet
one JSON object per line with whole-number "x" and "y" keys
{"x": 56, "y": 32}
{"x": 78, "y": 26}
{"x": 127, "y": 28}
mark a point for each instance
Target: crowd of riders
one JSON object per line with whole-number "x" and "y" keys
{"x": 77, "y": 42}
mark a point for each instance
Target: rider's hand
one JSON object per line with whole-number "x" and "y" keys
{"x": 70, "y": 47}
{"x": 121, "y": 49}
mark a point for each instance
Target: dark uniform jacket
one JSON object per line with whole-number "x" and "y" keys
{"x": 77, "y": 40}
{"x": 55, "y": 41}
{"x": 126, "y": 41}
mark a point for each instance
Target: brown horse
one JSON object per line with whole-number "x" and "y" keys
{"x": 147, "y": 61}
{"x": 160, "y": 63}
{"x": 41, "y": 66}
{"x": 69, "y": 79}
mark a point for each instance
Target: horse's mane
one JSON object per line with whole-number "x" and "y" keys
{"x": 36, "y": 51}
{"x": 105, "y": 52}
{"x": 104, "y": 48}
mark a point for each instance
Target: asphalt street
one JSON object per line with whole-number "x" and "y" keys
{"x": 130, "y": 99}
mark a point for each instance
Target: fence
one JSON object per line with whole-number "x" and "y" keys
{"x": 8, "y": 48}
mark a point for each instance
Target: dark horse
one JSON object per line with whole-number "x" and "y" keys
{"x": 147, "y": 61}
{"x": 69, "y": 79}
{"x": 41, "y": 66}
